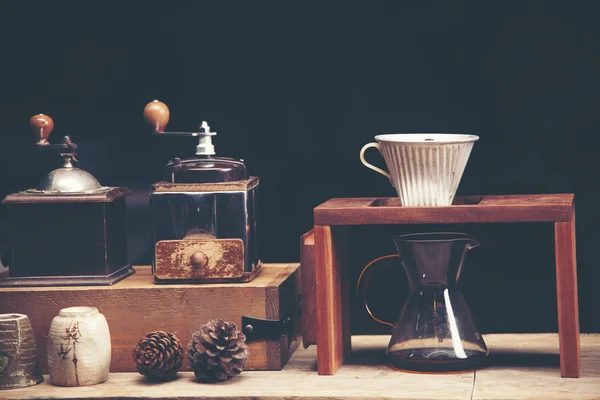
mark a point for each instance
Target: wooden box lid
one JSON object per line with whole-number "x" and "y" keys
{"x": 235, "y": 186}
{"x": 108, "y": 196}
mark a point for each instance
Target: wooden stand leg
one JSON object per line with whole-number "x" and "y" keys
{"x": 333, "y": 333}
{"x": 566, "y": 289}
{"x": 342, "y": 255}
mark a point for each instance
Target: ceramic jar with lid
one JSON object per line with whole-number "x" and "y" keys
{"x": 79, "y": 349}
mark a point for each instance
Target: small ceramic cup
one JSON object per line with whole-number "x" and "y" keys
{"x": 19, "y": 365}
{"x": 79, "y": 350}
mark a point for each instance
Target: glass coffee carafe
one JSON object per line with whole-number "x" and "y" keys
{"x": 435, "y": 331}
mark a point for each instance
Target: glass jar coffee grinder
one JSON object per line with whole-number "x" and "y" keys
{"x": 69, "y": 230}
{"x": 203, "y": 213}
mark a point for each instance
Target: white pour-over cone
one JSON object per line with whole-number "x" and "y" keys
{"x": 425, "y": 169}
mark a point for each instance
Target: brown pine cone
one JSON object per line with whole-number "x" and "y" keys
{"x": 217, "y": 351}
{"x": 158, "y": 355}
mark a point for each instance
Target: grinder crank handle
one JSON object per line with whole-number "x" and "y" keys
{"x": 157, "y": 114}
{"x": 365, "y": 277}
{"x": 42, "y": 126}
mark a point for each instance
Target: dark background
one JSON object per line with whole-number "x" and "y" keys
{"x": 295, "y": 89}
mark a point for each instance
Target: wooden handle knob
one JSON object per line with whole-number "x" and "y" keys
{"x": 156, "y": 113}
{"x": 42, "y": 125}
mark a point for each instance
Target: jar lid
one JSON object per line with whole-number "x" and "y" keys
{"x": 78, "y": 311}
{"x": 204, "y": 170}
{"x": 68, "y": 180}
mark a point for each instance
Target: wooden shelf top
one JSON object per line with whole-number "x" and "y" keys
{"x": 269, "y": 275}
{"x": 107, "y": 196}
{"x": 465, "y": 209}
{"x": 522, "y": 367}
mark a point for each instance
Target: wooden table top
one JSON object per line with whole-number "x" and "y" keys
{"x": 523, "y": 366}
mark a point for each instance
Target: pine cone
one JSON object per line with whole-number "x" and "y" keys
{"x": 158, "y": 355}
{"x": 218, "y": 351}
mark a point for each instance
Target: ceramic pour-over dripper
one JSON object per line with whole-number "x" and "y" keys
{"x": 425, "y": 168}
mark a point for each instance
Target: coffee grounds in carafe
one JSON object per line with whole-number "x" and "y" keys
{"x": 436, "y": 359}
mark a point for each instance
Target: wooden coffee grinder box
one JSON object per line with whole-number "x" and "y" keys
{"x": 69, "y": 229}
{"x": 203, "y": 211}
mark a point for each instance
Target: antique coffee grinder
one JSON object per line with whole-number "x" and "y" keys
{"x": 203, "y": 213}
{"x": 69, "y": 230}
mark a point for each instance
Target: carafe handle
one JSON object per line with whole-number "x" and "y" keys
{"x": 367, "y": 164}
{"x": 365, "y": 276}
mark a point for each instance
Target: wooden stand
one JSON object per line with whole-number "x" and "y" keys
{"x": 332, "y": 284}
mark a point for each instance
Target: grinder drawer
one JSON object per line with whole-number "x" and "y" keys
{"x": 190, "y": 259}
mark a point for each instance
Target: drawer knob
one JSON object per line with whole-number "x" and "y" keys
{"x": 199, "y": 260}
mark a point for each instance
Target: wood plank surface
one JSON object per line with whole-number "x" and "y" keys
{"x": 136, "y": 306}
{"x": 466, "y": 209}
{"x": 566, "y": 294}
{"x": 523, "y": 366}
{"x": 527, "y": 367}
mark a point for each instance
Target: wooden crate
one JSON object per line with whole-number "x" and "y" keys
{"x": 136, "y": 306}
